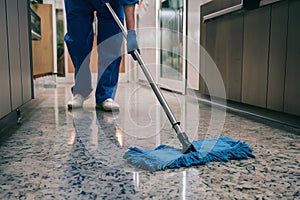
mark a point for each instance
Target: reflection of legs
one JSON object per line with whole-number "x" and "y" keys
{"x": 85, "y": 132}
{"x": 109, "y": 50}
{"x": 107, "y": 125}
{"x": 79, "y": 40}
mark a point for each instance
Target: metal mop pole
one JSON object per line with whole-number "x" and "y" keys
{"x": 187, "y": 146}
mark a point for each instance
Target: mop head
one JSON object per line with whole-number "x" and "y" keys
{"x": 165, "y": 157}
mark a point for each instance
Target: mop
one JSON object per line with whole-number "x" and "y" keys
{"x": 195, "y": 153}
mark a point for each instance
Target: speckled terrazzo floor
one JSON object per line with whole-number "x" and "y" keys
{"x": 61, "y": 154}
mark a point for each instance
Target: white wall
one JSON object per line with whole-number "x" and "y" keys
{"x": 193, "y": 43}
{"x": 59, "y": 4}
{"x": 147, "y": 27}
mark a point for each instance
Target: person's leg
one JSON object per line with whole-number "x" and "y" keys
{"x": 109, "y": 50}
{"x": 79, "y": 40}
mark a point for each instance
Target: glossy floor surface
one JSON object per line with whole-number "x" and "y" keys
{"x": 60, "y": 154}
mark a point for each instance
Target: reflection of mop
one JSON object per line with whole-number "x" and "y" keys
{"x": 198, "y": 152}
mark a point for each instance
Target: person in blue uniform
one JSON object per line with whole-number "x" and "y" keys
{"x": 79, "y": 40}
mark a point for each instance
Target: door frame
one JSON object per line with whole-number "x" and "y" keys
{"x": 176, "y": 85}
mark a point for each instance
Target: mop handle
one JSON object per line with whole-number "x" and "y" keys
{"x": 159, "y": 95}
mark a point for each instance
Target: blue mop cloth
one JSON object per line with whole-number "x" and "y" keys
{"x": 164, "y": 157}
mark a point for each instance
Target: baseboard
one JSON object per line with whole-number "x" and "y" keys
{"x": 270, "y": 117}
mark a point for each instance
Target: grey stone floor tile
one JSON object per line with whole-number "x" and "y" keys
{"x": 60, "y": 154}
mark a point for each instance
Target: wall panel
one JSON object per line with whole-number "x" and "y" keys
{"x": 24, "y": 51}
{"x": 292, "y": 86}
{"x": 14, "y": 53}
{"x": 5, "y": 105}
{"x": 234, "y": 57}
{"x": 224, "y": 43}
{"x": 277, "y": 56}
{"x": 255, "y": 57}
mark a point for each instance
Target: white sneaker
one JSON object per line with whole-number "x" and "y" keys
{"x": 76, "y": 102}
{"x": 108, "y": 105}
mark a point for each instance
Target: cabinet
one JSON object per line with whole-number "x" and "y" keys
{"x": 25, "y": 52}
{"x": 14, "y": 53}
{"x": 292, "y": 86}
{"x": 225, "y": 45}
{"x": 277, "y": 56}
{"x": 15, "y": 56}
{"x": 5, "y": 105}
{"x": 263, "y": 46}
{"x": 255, "y": 59}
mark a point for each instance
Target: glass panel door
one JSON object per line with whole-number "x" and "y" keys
{"x": 172, "y": 66}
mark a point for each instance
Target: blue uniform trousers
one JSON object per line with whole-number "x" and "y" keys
{"x": 79, "y": 40}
